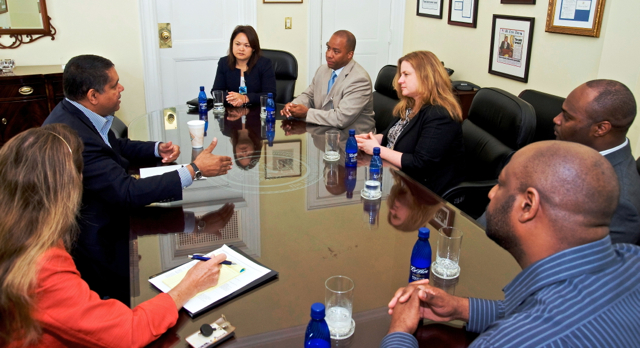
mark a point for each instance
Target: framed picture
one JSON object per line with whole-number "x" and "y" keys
{"x": 443, "y": 217}
{"x": 576, "y": 17}
{"x": 282, "y": 160}
{"x": 3, "y": 6}
{"x": 429, "y": 8}
{"x": 526, "y": 2}
{"x": 510, "y": 51}
{"x": 281, "y": 1}
{"x": 463, "y": 13}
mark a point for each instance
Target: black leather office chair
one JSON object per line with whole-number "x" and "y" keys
{"x": 499, "y": 123}
{"x": 119, "y": 128}
{"x": 638, "y": 164}
{"x": 285, "y": 66}
{"x": 547, "y": 106}
{"x": 385, "y": 97}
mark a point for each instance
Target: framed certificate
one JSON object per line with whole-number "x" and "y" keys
{"x": 527, "y": 2}
{"x": 576, "y": 17}
{"x": 5, "y": 9}
{"x": 510, "y": 52}
{"x": 429, "y": 8}
{"x": 463, "y": 13}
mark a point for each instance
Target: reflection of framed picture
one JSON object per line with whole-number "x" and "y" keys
{"x": 281, "y": 1}
{"x": 443, "y": 217}
{"x": 282, "y": 160}
{"x": 527, "y": 2}
{"x": 429, "y": 8}
{"x": 463, "y": 13}
{"x": 577, "y": 17}
{"x": 3, "y": 6}
{"x": 510, "y": 51}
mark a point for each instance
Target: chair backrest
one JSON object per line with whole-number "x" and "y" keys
{"x": 285, "y": 66}
{"x": 119, "y": 128}
{"x": 547, "y": 106}
{"x": 499, "y": 124}
{"x": 385, "y": 97}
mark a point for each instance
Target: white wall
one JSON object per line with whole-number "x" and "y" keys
{"x": 106, "y": 28}
{"x": 559, "y": 62}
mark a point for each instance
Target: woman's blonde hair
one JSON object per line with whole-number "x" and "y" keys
{"x": 40, "y": 192}
{"x": 421, "y": 208}
{"x": 434, "y": 85}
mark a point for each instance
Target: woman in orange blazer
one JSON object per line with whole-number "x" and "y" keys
{"x": 43, "y": 300}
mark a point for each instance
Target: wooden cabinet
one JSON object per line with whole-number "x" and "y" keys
{"x": 27, "y": 97}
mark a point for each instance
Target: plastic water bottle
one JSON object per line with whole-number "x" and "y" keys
{"x": 351, "y": 176}
{"x": 375, "y": 168}
{"x": 243, "y": 87}
{"x": 202, "y": 104}
{"x": 351, "y": 159}
{"x": 271, "y": 132}
{"x": 421, "y": 257}
{"x": 317, "y": 334}
{"x": 271, "y": 108}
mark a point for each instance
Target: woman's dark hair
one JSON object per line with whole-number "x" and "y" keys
{"x": 257, "y": 149}
{"x": 254, "y": 42}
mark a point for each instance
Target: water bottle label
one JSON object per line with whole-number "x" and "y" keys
{"x": 202, "y": 107}
{"x": 352, "y": 158}
{"x": 419, "y": 273}
{"x": 375, "y": 174}
{"x": 271, "y": 115}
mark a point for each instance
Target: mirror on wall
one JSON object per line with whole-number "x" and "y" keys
{"x": 24, "y": 21}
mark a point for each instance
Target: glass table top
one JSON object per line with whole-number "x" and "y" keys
{"x": 302, "y": 217}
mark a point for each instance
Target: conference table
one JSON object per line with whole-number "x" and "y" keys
{"x": 303, "y": 217}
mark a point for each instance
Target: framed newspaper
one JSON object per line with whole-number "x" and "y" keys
{"x": 576, "y": 17}
{"x": 429, "y": 8}
{"x": 510, "y": 53}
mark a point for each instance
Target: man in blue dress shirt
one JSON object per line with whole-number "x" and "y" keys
{"x": 551, "y": 211}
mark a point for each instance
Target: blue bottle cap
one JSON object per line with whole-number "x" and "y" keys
{"x": 317, "y": 311}
{"x": 352, "y": 132}
{"x": 423, "y": 232}
{"x": 202, "y": 88}
{"x": 376, "y": 151}
{"x": 269, "y": 95}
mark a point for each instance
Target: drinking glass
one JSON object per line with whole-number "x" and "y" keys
{"x": 448, "y": 253}
{"x": 263, "y": 106}
{"x": 332, "y": 145}
{"x": 339, "y": 304}
{"x": 218, "y": 102}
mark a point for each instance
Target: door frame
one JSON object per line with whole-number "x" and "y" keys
{"x": 315, "y": 35}
{"x": 247, "y": 11}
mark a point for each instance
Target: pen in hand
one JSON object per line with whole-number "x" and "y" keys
{"x": 204, "y": 258}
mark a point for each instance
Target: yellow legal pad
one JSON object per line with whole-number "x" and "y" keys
{"x": 226, "y": 274}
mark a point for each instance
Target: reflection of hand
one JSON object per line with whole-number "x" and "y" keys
{"x": 210, "y": 164}
{"x": 236, "y": 113}
{"x": 363, "y": 159}
{"x": 367, "y": 144}
{"x": 435, "y": 304}
{"x": 406, "y": 315}
{"x": 200, "y": 277}
{"x": 169, "y": 152}
{"x": 216, "y": 220}
{"x": 298, "y": 110}
{"x": 292, "y": 127}
{"x": 237, "y": 99}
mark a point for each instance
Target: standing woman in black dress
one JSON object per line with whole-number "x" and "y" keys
{"x": 245, "y": 62}
{"x": 426, "y": 140}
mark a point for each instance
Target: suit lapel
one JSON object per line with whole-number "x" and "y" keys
{"x": 411, "y": 124}
{"x": 85, "y": 120}
{"x": 337, "y": 86}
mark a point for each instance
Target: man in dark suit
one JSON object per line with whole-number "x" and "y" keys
{"x": 598, "y": 114}
{"x": 92, "y": 95}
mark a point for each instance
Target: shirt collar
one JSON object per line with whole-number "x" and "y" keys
{"x": 614, "y": 149}
{"x": 98, "y": 121}
{"x": 558, "y": 267}
{"x": 338, "y": 71}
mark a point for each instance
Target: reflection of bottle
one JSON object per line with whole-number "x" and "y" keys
{"x": 371, "y": 208}
{"x": 271, "y": 108}
{"x": 352, "y": 150}
{"x": 202, "y": 104}
{"x": 351, "y": 175}
{"x": 421, "y": 257}
{"x": 271, "y": 132}
{"x": 206, "y": 126}
{"x": 317, "y": 334}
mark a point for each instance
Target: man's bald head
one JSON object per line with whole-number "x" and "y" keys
{"x": 578, "y": 187}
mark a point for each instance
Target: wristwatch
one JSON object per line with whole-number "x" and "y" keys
{"x": 198, "y": 173}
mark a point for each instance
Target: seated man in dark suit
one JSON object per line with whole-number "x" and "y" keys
{"x": 598, "y": 114}
{"x": 551, "y": 211}
{"x": 92, "y": 95}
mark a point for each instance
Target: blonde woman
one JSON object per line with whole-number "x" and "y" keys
{"x": 426, "y": 140}
{"x": 43, "y": 300}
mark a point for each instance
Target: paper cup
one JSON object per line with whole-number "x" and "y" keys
{"x": 196, "y": 131}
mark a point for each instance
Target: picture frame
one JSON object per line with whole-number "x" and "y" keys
{"x": 429, "y": 8}
{"x": 282, "y": 160}
{"x": 582, "y": 17}
{"x": 522, "y": 2}
{"x": 4, "y": 7}
{"x": 444, "y": 217}
{"x": 510, "y": 50}
{"x": 463, "y": 13}
{"x": 281, "y": 1}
